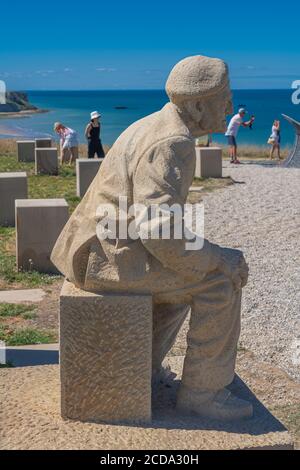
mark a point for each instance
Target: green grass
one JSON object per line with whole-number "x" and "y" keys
{"x": 27, "y": 312}
{"x": 61, "y": 186}
{"x": 26, "y": 336}
{"x": 253, "y": 152}
{"x": 44, "y": 186}
{"x": 6, "y": 233}
{"x": 7, "y": 364}
{"x": 67, "y": 171}
{"x": 10, "y": 163}
{"x": 210, "y": 184}
{"x": 39, "y": 187}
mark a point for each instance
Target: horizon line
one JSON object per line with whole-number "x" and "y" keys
{"x": 136, "y": 89}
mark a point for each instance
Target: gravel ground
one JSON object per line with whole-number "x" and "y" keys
{"x": 31, "y": 415}
{"x": 260, "y": 215}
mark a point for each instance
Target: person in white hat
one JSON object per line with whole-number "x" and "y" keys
{"x": 92, "y": 133}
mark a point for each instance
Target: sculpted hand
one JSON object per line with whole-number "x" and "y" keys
{"x": 232, "y": 263}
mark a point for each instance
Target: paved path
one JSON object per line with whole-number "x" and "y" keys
{"x": 18, "y": 296}
{"x": 32, "y": 355}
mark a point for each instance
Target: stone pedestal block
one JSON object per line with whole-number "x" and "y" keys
{"x": 208, "y": 162}
{"x": 86, "y": 170}
{"x": 43, "y": 143}
{"x": 46, "y": 161}
{"x": 38, "y": 225}
{"x": 105, "y": 356}
{"x": 12, "y": 186}
{"x": 25, "y": 150}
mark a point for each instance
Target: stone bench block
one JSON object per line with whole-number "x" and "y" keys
{"x": 38, "y": 225}
{"x": 25, "y": 150}
{"x": 43, "y": 143}
{"x": 208, "y": 162}
{"x": 86, "y": 170}
{"x": 46, "y": 161}
{"x": 105, "y": 356}
{"x": 12, "y": 186}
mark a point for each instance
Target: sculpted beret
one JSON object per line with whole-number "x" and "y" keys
{"x": 197, "y": 76}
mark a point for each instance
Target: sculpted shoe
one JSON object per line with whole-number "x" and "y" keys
{"x": 163, "y": 375}
{"x": 222, "y": 405}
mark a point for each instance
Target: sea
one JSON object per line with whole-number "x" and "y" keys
{"x": 120, "y": 108}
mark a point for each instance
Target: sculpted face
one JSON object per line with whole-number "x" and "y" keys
{"x": 208, "y": 114}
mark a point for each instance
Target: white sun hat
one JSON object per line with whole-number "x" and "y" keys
{"x": 95, "y": 115}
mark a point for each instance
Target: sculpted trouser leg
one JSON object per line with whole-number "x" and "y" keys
{"x": 213, "y": 335}
{"x": 167, "y": 321}
{"x": 213, "y": 332}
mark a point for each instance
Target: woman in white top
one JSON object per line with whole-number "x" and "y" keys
{"x": 274, "y": 139}
{"x": 68, "y": 143}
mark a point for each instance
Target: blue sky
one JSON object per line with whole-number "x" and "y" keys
{"x": 134, "y": 44}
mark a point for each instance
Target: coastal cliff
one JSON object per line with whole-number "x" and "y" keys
{"x": 17, "y": 102}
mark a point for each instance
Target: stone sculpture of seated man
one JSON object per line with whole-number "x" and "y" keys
{"x": 153, "y": 162}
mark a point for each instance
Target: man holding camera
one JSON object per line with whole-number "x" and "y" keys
{"x": 232, "y": 131}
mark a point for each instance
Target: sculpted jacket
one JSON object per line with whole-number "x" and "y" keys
{"x": 152, "y": 162}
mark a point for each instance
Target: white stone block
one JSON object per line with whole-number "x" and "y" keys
{"x": 86, "y": 170}
{"x": 46, "y": 161}
{"x": 25, "y": 150}
{"x": 38, "y": 225}
{"x": 12, "y": 186}
{"x": 105, "y": 356}
{"x": 208, "y": 162}
{"x": 43, "y": 143}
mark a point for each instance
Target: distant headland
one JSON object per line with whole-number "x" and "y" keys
{"x": 18, "y": 105}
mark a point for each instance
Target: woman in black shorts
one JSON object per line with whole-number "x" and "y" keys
{"x": 92, "y": 133}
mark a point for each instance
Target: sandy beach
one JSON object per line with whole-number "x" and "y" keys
{"x": 22, "y": 114}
